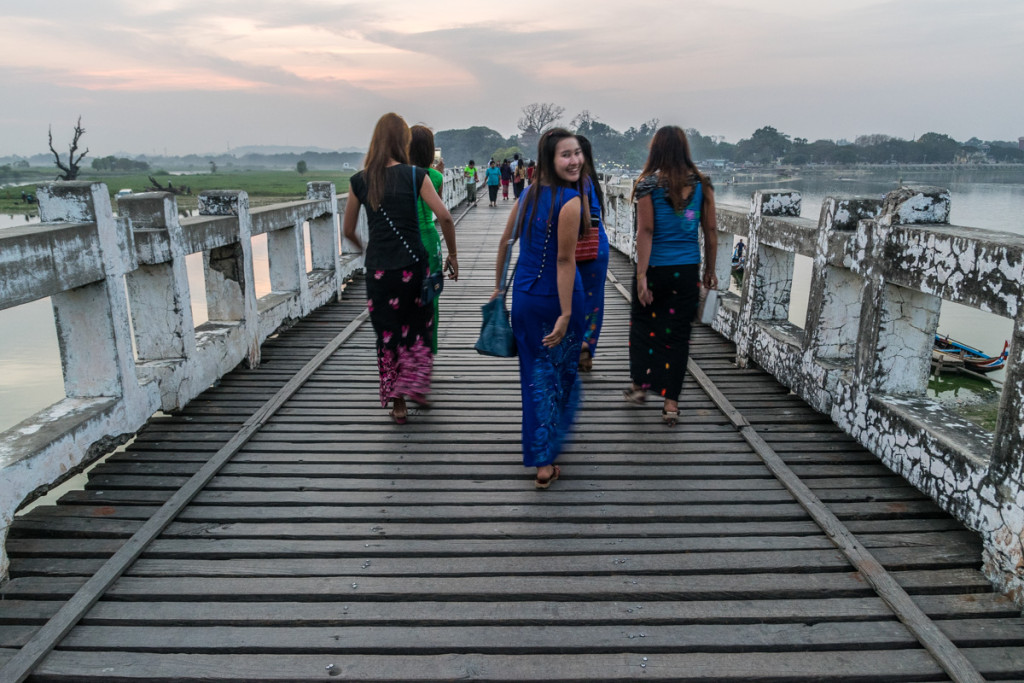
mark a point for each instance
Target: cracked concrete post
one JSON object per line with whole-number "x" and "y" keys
{"x": 1004, "y": 552}
{"x": 92, "y": 321}
{"x": 768, "y": 277}
{"x": 230, "y": 291}
{"x": 897, "y": 325}
{"x": 834, "y": 303}
{"x": 833, "y": 306}
{"x": 286, "y": 256}
{"x": 160, "y": 305}
{"x": 325, "y": 234}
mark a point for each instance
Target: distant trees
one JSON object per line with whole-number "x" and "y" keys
{"x": 69, "y": 171}
{"x": 478, "y": 143}
{"x": 119, "y": 164}
{"x": 301, "y": 167}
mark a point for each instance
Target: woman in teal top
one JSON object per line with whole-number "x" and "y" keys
{"x": 493, "y": 174}
{"x": 421, "y": 153}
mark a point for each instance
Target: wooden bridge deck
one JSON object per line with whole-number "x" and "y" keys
{"x": 336, "y": 545}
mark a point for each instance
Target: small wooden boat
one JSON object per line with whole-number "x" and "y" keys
{"x": 950, "y": 351}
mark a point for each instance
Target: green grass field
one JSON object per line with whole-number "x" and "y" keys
{"x": 261, "y": 185}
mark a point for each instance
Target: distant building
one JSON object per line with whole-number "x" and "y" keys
{"x": 1020, "y": 144}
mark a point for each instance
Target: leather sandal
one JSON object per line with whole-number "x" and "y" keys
{"x": 670, "y": 417}
{"x": 544, "y": 483}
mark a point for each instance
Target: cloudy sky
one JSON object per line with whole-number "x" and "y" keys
{"x": 190, "y": 76}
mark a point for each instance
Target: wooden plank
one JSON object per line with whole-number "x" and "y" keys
{"x": 536, "y": 587}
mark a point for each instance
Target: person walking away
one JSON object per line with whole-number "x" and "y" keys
{"x": 396, "y": 262}
{"x": 506, "y": 178}
{"x": 547, "y": 301}
{"x": 519, "y": 179}
{"x": 592, "y": 260}
{"x": 470, "y": 174}
{"x": 493, "y": 182}
{"x": 421, "y": 154}
{"x": 673, "y": 201}
{"x": 530, "y": 170}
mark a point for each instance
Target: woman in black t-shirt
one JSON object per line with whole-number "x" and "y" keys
{"x": 396, "y": 262}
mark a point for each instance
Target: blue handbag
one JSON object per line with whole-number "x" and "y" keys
{"x": 496, "y": 338}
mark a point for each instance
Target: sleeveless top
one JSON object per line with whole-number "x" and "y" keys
{"x": 538, "y": 241}
{"x": 675, "y": 241}
{"x": 386, "y": 250}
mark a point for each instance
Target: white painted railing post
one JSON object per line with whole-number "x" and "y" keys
{"x": 897, "y": 324}
{"x": 92, "y": 320}
{"x": 834, "y": 303}
{"x": 325, "y": 236}
{"x": 286, "y": 256}
{"x": 1004, "y": 555}
{"x": 768, "y": 277}
{"x": 158, "y": 292}
{"x": 230, "y": 290}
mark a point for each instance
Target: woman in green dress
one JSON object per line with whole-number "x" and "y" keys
{"x": 421, "y": 153}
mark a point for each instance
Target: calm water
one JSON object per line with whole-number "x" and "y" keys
{"x": 30, "y": 372}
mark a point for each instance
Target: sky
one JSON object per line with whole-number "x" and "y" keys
{"x": 188, "y": 76}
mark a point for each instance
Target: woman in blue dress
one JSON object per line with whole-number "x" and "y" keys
{"x": 547, "y": 302}
{"x": 674, "y": 202}
{"x": 593, "y": 265}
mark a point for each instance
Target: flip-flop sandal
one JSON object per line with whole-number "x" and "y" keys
{"x": 544, "y": 483}
{"x": 670, "y": 417}
{"x": 635, "y": 396}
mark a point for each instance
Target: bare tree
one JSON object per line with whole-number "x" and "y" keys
{"x": 70, "y": 170}
{"x": 582, "y": 121}
{"x": 536, "y": 118}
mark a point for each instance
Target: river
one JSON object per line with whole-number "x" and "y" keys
{"x": 30, "y": 369}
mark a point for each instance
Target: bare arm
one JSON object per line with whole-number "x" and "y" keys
{"x": 644, "y": 239}
{"x": 709, "y": 224}
{"x": 568, "y": 233}
{"x": 503, "y": 247}
{"x": 444, "y": 217}
{"x": 351, "y": 219}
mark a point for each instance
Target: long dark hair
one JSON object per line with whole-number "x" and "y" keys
{"x": 590, "y": 172}
{"x": 546, "y": 175}
{"x": 390, "y": 141}
{"x": 421, "y": 146}
{"x": 669, "y": 158}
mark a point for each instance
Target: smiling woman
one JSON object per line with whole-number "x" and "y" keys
{"x": 547, "y": 302}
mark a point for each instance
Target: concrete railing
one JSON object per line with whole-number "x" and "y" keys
{"x": 881, "y": 269}
{"x": 121, "y": 303}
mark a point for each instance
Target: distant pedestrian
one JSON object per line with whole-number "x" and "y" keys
{"x": 518, "y": 179}
{"x": 506, "y": 178}
{"x": 395, "y": 262}
{"x": 531, "y": 168}
{"x": 470, "y": 175}
{"x": 493, "y": 182}
{"x": 674, "y": 201}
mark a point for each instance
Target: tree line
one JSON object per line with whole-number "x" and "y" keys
{"x": 766, "y": 146}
